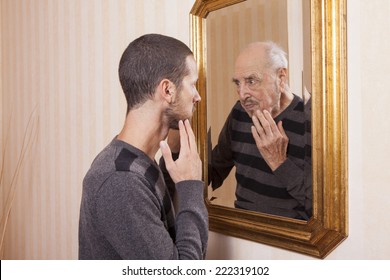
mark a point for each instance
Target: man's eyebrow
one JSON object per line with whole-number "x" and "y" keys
{"x": 252, "y": 76}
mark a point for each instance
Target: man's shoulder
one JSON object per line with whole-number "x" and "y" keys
{"x": 137, "y": 164}
{"x": 124, "y": 159}
{"x": 121, "y": 156}
{"x": 117, "y": 160}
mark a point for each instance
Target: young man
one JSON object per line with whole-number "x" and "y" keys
{"x": 126, "y": 208}
{"x": 267, "y": 137}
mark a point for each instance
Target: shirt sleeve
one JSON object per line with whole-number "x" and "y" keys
{"x": 296, "y": 183}
{"x": 298, "y": 180}
{"x": 221, "y": 162}
{"x": 129, "y": 216}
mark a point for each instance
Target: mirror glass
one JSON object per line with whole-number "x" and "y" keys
{"x": 228, "y": 31}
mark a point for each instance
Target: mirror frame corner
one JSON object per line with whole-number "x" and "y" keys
{"x": 329, "y": 225}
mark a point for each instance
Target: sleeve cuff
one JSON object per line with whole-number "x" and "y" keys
{"x": 289, "y": 174}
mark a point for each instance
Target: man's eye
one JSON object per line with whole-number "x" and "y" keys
{"x": 253, "y": 82}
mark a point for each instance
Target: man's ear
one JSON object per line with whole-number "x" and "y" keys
{"x": 282, "y": 75}
{"x": 167, "y": 90}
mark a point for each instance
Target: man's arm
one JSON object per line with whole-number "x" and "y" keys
{"x": 221, "y": 161}
{"x": 272, "y": 141}
{"x": 129, "y": 215}
{"x": 298, "y": 183}
{"x": 186, "y": 168}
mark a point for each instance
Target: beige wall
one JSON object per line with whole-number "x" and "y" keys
{"x": 58, "y": 70}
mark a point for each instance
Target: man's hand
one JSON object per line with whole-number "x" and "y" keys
{"x": 188, "y": 166}
{"x": 271, "y": 139}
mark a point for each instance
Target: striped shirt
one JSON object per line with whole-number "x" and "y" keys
{"x": 285, "y": 192}
{"x": 127, "y": 212}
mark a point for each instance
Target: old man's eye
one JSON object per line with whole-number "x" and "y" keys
{"x": 236, "y": 82}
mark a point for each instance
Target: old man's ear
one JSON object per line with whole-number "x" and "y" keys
{"x": 282, "y": 75}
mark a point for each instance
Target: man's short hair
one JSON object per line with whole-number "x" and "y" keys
{"x": 148, "y": 60}
{"x": 277, "y": 57}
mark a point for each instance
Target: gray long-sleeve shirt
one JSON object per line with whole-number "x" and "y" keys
{"x": 127, "y": 212}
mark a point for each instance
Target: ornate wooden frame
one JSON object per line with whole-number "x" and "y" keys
{"x": 329, "y": 225}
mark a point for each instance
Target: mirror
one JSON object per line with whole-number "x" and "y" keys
{"x": 320, "y": 27}
{"x": 252, "y": 185}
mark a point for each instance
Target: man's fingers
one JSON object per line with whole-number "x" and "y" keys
{"x": 257, "y": 125}
{"x": 256, "y": 135}
{"x": 281, "y": 129}
{"x": 188, "y": 165}
{"x": 265, "y": 122}
{"x": 183, "y": 137}
{"x": 270, "y": 120}
{"x": 190, "y": 135}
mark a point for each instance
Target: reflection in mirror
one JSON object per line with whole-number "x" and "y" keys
{"x": 240, "y": 176}
{"x": 328, "y": 226}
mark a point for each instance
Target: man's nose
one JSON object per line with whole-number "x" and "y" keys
{"x": 197, "y": 97}
{"x": 243, "y": 91}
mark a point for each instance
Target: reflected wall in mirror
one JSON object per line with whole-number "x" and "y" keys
{"x": 318, "y": 66}
{"x": 253, "y": 186}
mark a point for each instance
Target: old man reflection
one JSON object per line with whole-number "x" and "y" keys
{"x": 267, "y": 137}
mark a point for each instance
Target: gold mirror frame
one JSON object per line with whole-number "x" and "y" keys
{"x": 329, "y": 225}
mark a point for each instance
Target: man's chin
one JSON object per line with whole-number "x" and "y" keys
{"x": 175, "y": 124}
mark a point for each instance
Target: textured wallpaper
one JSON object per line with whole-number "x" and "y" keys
{"x": 61, "y": 104}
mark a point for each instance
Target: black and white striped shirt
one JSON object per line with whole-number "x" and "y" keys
{"x": 285, "y": 192}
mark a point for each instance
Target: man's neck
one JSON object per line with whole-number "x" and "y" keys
{"x": 285, "y": 100}
{"x": 144, "y": 129}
